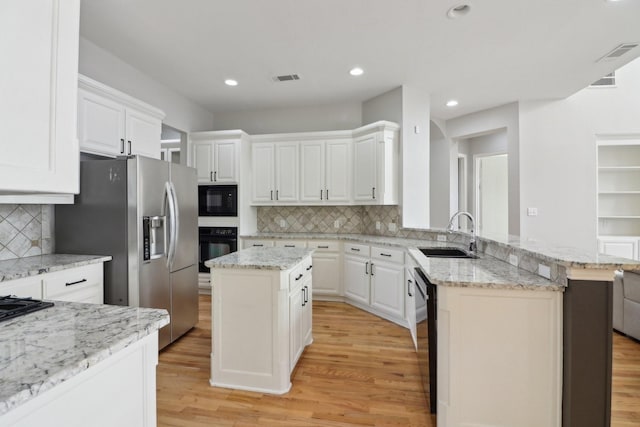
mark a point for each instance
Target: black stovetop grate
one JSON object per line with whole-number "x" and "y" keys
{"x": 11, "y": 306}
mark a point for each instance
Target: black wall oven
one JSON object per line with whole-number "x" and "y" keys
{"x": 215, "y": 242}
{"x": 217, "y": 200}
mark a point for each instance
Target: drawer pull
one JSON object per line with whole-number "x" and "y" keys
{"x": 289, "y": 246}
{"x": 75, "y": 283}
{"x": 299, "y": 277}
{"x": 383, "y": 254}
{"x": 310, "y": 267}
{"x": 258, "y": 245}
{"x": 323, "y": 247}
{"x": 355, "y": 249}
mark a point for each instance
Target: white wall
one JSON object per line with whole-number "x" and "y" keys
{"x": 416, "y": 110}
{"x": 558, "y": 157}
{"x": 302, "y": 119}
{"x": 103, "y": 66}
{"x": 489, "y": 121}
{"x": 441, "y": 190}
{"x": 387, "y": 106}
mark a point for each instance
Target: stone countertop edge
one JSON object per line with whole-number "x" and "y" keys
{"x": 261, "y": 258}
{"x": 567, "y": 257}
{"x": 482, "y": 272}
{"x": 34, "y": 349}
{"x": 19, "y": 268}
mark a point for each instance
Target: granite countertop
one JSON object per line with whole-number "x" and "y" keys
{"x": 42, "y": 349}
{"x": 481, "y": 272}
{"x": 23, "y": 267}
{"x": 261, "y": 258}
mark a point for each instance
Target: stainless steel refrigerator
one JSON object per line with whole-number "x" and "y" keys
{"x": 144, "y": 213}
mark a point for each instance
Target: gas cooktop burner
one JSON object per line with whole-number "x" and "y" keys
{"x": 11, "y": 307}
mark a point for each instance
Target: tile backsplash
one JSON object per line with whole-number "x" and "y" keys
{"x": 25, "y": 230}
{"x": 310, "y": 219}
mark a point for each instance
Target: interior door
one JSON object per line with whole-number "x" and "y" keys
{"x": 492, "y": 197}
{"x": 185, "y": 184}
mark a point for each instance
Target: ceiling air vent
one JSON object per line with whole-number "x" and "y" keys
{"x": 607, "y": 81}
{"x": 286, "y": 78}
{"x": 618, "y": 52}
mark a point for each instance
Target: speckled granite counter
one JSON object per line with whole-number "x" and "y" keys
{"x": 482, "y": 272}
{"x": 23, "y": 267}
{"x": 45, "y": 348}
{"x": 261, "y": 258}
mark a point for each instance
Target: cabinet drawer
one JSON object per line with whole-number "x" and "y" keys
{"x": 258, "y": 243}
{"x": 356, "y": 249}
{"x": 74, "y": 284}
{"x": 387, "y": 254}
{"x": 324, "y": 245}
{"x": 291, "y": 244}
{"x": 27, "y": 287}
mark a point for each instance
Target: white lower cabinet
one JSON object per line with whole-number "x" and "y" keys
{"x": 374, "y": 280}
{"x": 300, "y": 311}
{"x": 327, "y": 269}
{"x": 410, "y": 303}
{"x": 77, "y": 284}
{"x": 257, "y": 243}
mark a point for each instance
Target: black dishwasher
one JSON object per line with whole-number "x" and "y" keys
{"x": 427, "y": 337}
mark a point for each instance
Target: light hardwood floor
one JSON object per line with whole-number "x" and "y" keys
{"x": 359, "y": 371}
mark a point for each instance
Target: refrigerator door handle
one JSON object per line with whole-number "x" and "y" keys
{"x": 172, "y": 223}
{"x": 176, "y": 221}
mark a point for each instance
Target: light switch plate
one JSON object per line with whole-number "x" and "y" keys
{"x": 283, "y": 223}
{"x": 442, "y": 237}
{"x": 393, "y": 227}
{"x": 336, "y": 223}
{"x": 532, "y": 211}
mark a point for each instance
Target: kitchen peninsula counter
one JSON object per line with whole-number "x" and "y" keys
{"x": 59, "y": 351}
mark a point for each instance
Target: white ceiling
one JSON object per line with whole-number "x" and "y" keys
{"x": 501, "y": 51}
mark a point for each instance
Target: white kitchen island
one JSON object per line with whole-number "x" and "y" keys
{"x": 261, "y": 314}
{"x": 77, "y": 364}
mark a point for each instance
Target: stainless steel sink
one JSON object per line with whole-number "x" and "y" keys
{"x": 446, "y": 253}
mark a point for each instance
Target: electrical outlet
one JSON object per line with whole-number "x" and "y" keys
{"x": 442, "y": 237}
{"x": 393, "y": 227}
{"x": 378, "y": 225}
{"x": 513, "y": 260}
{"x": 283, "y": 223}
{"x": 544, "y": 271}
{"x": 336, "y": 223}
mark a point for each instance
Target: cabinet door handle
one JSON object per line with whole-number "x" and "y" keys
{"x": 355, "y": 249}
{"x": 75, "y": 283}
{"x": 299, "y": 277}
{"x": 366, "y": 268}
{"x": 327, "y": 190}
{"x": 323, "y": 247}
{"x": 258, "y": 245}
{"x": 289, "y": 246}
{"x": 320, "y": 194}
{"x": 121, "y": 145}
{"x": 372, "y": 269}
{"x": 373, "y": 192}
{"x": 383, "y": 254}
{"x": 215, "y": 175}
{"x": 271, "y": 194}
{"x": 306, "y": 295}
{"x": 304, "y": 299}
{"x": 129, "y": 142}
{"x": 211, "y": 176}
{"x": 277, "y": 194}
{"x": 409, "y": 281}
{"x": 310, "y": 267}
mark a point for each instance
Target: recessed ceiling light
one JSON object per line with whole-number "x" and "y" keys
{"x": 452, "y": 103}
{"x": 231, "y": 82}
{"x": 357, "y": 71}
{"x": 458, "y": 11}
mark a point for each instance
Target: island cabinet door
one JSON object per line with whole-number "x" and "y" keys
{"x": 387, "y": 288}
{"x": 296, "y": 299}
{"x": 307, "y": 312}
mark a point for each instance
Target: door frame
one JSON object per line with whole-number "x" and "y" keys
{"x": 476, "y": 184}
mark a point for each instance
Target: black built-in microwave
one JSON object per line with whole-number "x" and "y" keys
{"x": 217, "y": 200}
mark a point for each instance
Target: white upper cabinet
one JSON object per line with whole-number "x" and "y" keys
{"x": 111, "y": 123}
{"x": 325, "y": 171}
{"x": 38, "y": 83}
{"x": 375, "y": 163}
{"x": 327, "y": 168}
{"x": 217, "y": 160}
{"x": 264, "y": 162}
{"x": 275, "y": 172}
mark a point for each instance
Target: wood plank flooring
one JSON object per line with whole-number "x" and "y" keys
{"x": 359, "y": 371}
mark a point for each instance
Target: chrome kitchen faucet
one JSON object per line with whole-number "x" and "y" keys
{"x": 472, "y": 244}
